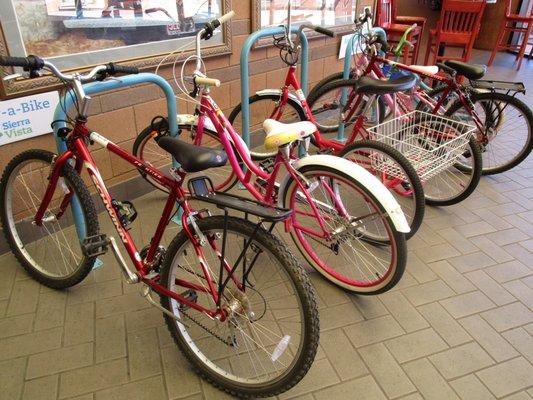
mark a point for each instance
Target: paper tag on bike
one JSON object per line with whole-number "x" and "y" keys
{"x": 280, "y": 348}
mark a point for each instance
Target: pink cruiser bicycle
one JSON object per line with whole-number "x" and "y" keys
{"x": 345, "y": 222}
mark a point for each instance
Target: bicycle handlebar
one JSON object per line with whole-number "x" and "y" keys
{"x": 379, "y": 39}
{"x": 323, "y": 31}
{"x": 28, "y": 63}
{"x": 398, "y": 50}
{"x": 34, "y": 64}
{"x": 198, "y": 80}
{"x": 207, "y": 31}
{"x": 226, "y": 17}
{"x": 113, "y": 69}
{"x": 364, "y": 18}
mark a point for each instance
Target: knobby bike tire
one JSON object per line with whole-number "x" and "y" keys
{"x": 303, "y": 289}
{"x": 75, "y": 183}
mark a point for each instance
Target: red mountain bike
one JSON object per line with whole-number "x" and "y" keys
{"x": 236, "y": 302}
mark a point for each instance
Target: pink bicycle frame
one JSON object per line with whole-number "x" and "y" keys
{"x": 233, "y": 144}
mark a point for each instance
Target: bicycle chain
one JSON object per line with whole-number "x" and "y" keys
{"x": 205, "y": 328}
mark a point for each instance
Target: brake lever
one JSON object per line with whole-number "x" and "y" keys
{"x": 195, "y": 91}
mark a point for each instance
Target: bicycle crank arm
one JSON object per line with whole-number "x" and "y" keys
{"x": 130, "y": 276}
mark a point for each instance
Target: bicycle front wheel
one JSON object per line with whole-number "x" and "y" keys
{"x": 508, "y": 129}
{"x": 269, "y": 339}
{"x": 147, "y": 149}
{"x": 262, "y": 107}
{"x": 343, "y": 231}
{"x": 50, "y": 253}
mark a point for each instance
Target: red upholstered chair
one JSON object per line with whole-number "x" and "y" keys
{"x": 514, "y": 23}
{"x": 395, "y": 26}
{"x": 458, "y": 26}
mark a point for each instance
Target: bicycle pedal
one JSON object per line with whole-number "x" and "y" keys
{"x": 93, "y": 246}
{"x": 267, "y": 164}
{"x": 190, "y": 295}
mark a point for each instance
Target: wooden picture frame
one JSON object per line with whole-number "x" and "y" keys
{"x": 144, "y": 55}
{"x": 319, "y": 12}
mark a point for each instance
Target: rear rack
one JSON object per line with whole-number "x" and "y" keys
{"x": 199, "y": 191}
{"x": 515, "y": 87}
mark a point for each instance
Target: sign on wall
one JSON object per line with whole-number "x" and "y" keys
{"x": 27, "y": 117}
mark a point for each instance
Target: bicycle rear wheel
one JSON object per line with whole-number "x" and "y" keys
{"x": 508, "y": 127}
{"x": 262, "y": 107}
{"x": 270, "y": 337}
{"x": 455, "y": 183}
{"x": 395, "y": 172}
{"x": 328, "y": 112}
{"x": 358, "y": 247}
{"x": 146, "y": 149}
{"x": 50, "y": 253}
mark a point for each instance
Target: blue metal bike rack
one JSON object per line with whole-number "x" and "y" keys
{"x": 245, "y": 78}
{"x": 346, "y": 75}
{"x": 66, "y": 103}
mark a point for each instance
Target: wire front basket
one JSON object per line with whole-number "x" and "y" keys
{"x": 431, "y": 143}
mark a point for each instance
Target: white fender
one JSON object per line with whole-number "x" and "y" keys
{"x": 369, "y": 181}
{"x": 277, "y": 92}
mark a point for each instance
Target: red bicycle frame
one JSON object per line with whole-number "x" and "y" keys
{"x": 77, "y": 150}
{"x": 373, "y": 69}
{"x": 291, "y": 80}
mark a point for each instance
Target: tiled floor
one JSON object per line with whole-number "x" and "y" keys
{"x": 458, "y": 325}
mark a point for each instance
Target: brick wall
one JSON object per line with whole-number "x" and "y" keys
{"x": 121, "y": 114}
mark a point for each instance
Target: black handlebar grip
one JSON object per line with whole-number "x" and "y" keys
{"x": 28, "y": 63}
{"x": 324, "y": 31}
{"x": 445, "y": 68}
{"x": 114, "y": 69}
{"x": 209, "y": 28}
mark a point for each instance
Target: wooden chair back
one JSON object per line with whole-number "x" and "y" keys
{"x": 460, "y": 21}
